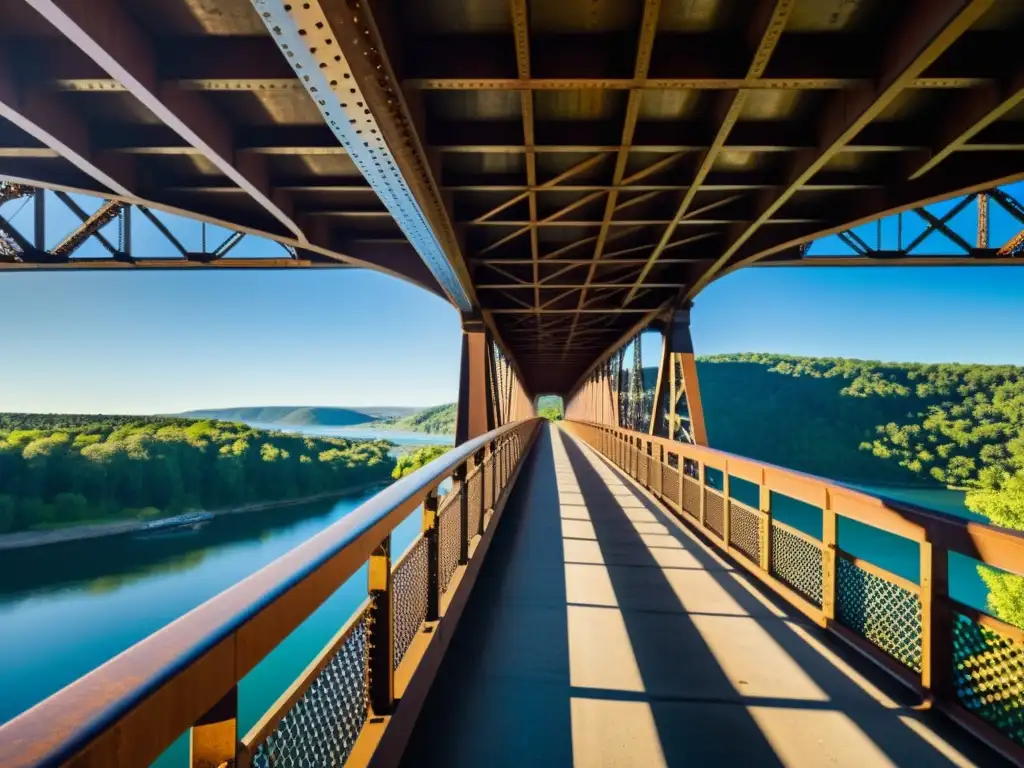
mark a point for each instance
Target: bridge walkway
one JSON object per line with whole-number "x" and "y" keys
{"x": 603, "y": 632}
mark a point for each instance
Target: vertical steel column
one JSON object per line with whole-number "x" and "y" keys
{"x": 214, "y": 737}
{"x": 665, "y": 364}
{"x": 430, "y": 536}
{"x": 39, "y": 215}
{"x": 679, "y": 345}
{"x": 982, "y": 241}
{"x": 382, "y": 631}
{"x": 472, "y": 416}
{"x": 126, "y": 231}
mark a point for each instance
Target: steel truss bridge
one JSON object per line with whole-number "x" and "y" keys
{"x": 567, "y": 175}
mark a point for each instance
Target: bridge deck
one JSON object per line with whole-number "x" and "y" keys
{"x": 603, "y": 632}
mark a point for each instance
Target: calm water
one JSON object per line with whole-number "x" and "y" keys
{"x": 66, "y": 609}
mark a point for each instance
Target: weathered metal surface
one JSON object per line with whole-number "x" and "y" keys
{"x": 541, "y": 158}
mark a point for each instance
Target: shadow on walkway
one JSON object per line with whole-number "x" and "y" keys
{"x": 602, "y": 632}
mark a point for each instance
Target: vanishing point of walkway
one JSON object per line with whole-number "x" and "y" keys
{"x": 603, "y": 632}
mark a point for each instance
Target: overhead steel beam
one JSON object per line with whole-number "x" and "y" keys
{"x": 110, "y": 38}
{"x": 977, "y": 109}
{"x": 929, "y": 28}
{"x": 766, "y": 28}
{"x": 521, "y": 33}
{"x": 50, "y": 122}
{"x": 641, "y": 65}
{"x": 336, "y": 50}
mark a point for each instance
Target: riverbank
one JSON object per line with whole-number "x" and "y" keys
{"x": 26, "y": 539}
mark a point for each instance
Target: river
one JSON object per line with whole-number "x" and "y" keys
{"x": 65, "y": 609}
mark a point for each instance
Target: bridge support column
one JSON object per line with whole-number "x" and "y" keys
{"x": 474, "y": 416}
{"x": 677, "y": 380}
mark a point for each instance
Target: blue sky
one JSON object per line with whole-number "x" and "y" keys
{"x": 144, "y": 342}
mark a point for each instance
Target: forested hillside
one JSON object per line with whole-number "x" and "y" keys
{"x": 62, "y": 470}
{"x": 439, "y": 420}
{"x": 287, "y": 415}
{"x": 871, "y": 422}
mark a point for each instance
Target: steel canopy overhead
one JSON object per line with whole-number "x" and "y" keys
{"x": 580, "y": 164}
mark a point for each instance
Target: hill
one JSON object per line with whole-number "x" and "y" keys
{"x": 58, "y": 470}
{"x": 287, "y": 415}
{"x": 439, "y": 420}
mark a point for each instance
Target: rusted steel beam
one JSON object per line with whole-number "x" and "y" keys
{"x": 50, "y": 122}
{"x": 977, "y": 109}
{"x": 521, "y": 33}
{"x": 108, "y": 36}
{"x": 641, "y": 66}
{"x": 766, "y": 29}
{"x": 929, "y": 28}
{"x": 580, "y": 167}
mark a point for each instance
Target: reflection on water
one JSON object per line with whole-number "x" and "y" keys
{"x": 67, "y": 608}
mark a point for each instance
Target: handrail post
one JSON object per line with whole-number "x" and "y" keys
{"x": 702, "y": 476}
{"x": 766, "y": 526}
{"x": 430, "y": 536}
{"x": 936, "y": 622}
{"x": 381, "y": 650}
{"x": 829, "y": 544}
{"x": 726, "y": 511}
{"x": 213, "y": 740}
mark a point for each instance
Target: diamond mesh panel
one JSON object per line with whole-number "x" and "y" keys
{"x": 488, "y": 481}
{"x": 449, "y": 533}
{"x": 878, "y": 610}
{"x": 714, "y": 511}
{"x": 691, "y": 497}
{"x": 410, "y": 585}
{"x": 322, "y": 727}
{"x": 798, "y": 563}
{"x": 643, "y": 474}
{"x": 745, "y": 531}
{"x": 988, "y": 672}
{"x": 475, "y": 484}
{"x": 670, "y": 490}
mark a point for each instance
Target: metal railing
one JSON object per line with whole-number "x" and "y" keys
{"x": 958, "y": 658}
{"x": 184, "y": 678}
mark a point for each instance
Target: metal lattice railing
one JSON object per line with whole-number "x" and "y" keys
{"x": 988, "y": 675}
{"x": 887, "y": 616}
{"x": 322, "y": 726}
{"x": 691, "y": 497}
{"x": 411, "y": 586}
{"x": 714, "y": 512}
{"x": 880, "y": 611}
{"x": 450, "y": 535}
{"x": 745, "y": 531}
{"x": 797, "y": 562}
{"x": 475, "y": 496}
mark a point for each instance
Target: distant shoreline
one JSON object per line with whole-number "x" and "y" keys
{"x": 28, "y": 539}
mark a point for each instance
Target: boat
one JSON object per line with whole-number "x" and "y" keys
{"x": 189, "y": 521}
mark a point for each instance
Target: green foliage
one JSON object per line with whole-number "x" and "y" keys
{"x": 550, "y": 407}
{"x": 410, "y": 462}
{"x": 871, "y": 422}
{"x": 1005, "y": 594}
{"x": 64, "y": 470}
{"x": 439, "y": 420}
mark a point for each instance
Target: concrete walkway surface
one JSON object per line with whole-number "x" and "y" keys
{"x": 604, "y": 632}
